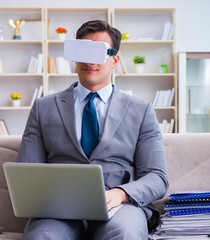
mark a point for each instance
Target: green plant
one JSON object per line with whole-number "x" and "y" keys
{"x": 139, "y": 59}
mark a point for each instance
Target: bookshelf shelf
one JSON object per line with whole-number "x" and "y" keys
{"x": 169, "y": 42}
{"x": 166, "y": 108}
{"x": 15, "y": 108}
{"x": 145, "y": 74}
{"x": 62, "y": 75}
{"x": 21, "y": 41}
{"x": 21, "y": 75}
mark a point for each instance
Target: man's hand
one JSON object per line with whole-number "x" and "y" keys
{"x": 115, "y": 197}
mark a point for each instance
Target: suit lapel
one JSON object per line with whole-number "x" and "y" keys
{"x": 117, "y": 109}
{"x": 65, "y": 103}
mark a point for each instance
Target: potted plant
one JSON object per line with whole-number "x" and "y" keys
{"x": 139, "y": 63}
{"x": 163, "y": 68}
{"x": 61, "y": 32}
{"x": 16, "y": 99}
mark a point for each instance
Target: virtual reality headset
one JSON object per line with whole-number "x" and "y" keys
{"x": 87, "y": 51}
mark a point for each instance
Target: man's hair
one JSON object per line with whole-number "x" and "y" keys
{"x": 100, "y": 26}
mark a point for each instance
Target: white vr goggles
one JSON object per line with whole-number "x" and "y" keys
{"x": 87, "y": 51}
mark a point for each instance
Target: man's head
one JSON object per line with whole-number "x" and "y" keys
{"x": 100, "y": 26}
{"x": 96, "y": 76}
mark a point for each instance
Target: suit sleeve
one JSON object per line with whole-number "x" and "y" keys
{"x": 151, "y": 181}
{"x": 32, "y": 147}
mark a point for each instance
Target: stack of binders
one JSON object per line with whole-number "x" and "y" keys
{"x": 186, "y": 203}
{"x": 187, "y": 215}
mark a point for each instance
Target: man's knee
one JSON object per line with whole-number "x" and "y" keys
{"x": 135, "y": 232}
{"x": 128, "y": 223}
{"x": 44, "y": 229}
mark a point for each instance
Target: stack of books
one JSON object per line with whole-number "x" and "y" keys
{"x": 58, "y": 65}
{"x": 167, "y": 127}
{"x": 164, "y": 98}
{"x": 36, "y": 64}
{"x": 187, "y": 215}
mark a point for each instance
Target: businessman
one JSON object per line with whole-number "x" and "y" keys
{"x": 127, "y": 144}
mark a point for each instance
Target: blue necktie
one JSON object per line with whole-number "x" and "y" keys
{"x": 90, "y": 128}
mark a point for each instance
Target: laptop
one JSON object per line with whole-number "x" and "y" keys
{"x": 61, "y": 191}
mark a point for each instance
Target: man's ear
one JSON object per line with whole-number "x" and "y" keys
{"x": 116, "y": 59}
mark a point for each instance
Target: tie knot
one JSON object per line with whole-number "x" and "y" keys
{"x": 92, "y": 95}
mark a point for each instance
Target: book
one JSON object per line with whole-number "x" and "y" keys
{"x": 167, "y": 127}
{"x": 37, "y": 94}
{"x": 31, "y": 65}
{"x": 160, "y": 98}
{"x": 166, "y": 31}
{"x": 164, "y": 123}
{"x": 172, "y": 123}
{"x": 156, "y": 98}
{"x": 3, "y": 128}
{"x": 52, "y": 65}
{"x": 39, "y": 68}
{"x": 63, "y": 66}
{"x": 171, "y": 97}
{"x": 34, "y": 69}
{"x": 171, "y": 32}
{"x": 40, "y": 91}
{"x": 34, "y": 96}
{"x": 59, "y": 64}
{"x": 166, "y": 95}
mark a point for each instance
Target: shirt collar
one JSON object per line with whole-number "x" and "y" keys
{"x": 104, "y": 93}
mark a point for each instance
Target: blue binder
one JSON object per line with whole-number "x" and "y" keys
{"x": 189, "y": 211}
{"x": 190, "y": 205}
{"x": 186, "y": 203}
{"x": 189, "y": 196}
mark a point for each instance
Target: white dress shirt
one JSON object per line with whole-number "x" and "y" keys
{"x": 101, "y": 103}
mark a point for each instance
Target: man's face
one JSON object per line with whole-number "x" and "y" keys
{"x": 96, "y": 76}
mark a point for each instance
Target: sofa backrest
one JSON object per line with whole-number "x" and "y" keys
{"x": 188, "y": 159}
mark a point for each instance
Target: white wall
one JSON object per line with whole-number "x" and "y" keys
{"x": 193, "y": 16}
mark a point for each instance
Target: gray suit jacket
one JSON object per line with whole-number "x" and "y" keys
{"x": 131, "y": 150}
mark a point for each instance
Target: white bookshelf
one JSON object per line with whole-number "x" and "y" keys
{"x": 148, "y": 24}
{"x": 16, "y": 55}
